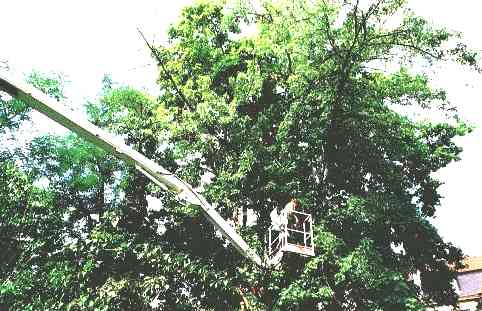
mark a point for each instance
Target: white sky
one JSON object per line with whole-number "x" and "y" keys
{"x": 87, "y": 39}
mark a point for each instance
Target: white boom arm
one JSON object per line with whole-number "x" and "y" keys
{"x": 159, "y": 175}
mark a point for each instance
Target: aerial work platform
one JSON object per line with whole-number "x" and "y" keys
{"x": 293, "y": 233}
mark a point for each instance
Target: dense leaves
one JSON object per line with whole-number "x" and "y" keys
{"x": 306, "y": 108}
{"x": 258, "y": 105}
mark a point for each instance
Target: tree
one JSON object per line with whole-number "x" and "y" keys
{"x": 33, "y": 229}
{"x": 308, "y": 107}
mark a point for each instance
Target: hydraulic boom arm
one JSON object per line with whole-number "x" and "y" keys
{"x": 159, "y": 175}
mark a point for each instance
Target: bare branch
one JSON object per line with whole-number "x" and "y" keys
{"x": 165, "y": 71}
{"x": 4, "y": 65}
{"x": 418, "y": 49}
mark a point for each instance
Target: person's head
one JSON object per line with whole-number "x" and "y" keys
{"x": 296, "y": 203}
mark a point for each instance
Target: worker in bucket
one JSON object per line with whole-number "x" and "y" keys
{"x": 278, "y": 220}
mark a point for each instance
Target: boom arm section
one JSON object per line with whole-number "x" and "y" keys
{"x": 159, "y": 175}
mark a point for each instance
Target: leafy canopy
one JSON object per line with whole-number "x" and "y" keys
{"x": 286, "y": 99}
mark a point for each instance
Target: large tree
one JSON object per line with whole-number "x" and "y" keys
{"x": 305, "y": 99}
{"x": 310, "y": 105}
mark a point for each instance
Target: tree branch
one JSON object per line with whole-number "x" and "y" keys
{"x": 166, "y": 72}
{"x": 4, "y": 65}
{"x": 290, "y": 63}
{"x": 245, "y": 301}
{"x": 416, "y": 48}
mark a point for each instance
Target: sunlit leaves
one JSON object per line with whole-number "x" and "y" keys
{"x": 289, "y": 99}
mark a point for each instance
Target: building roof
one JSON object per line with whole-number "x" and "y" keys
{"x": 471, "y": 264}
{"x": 469, "y": 279}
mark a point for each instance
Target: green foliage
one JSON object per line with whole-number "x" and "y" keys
{"x": 13, "y": 112}
{"x": 307, "y": 106}
{"x": 51, "y": 84}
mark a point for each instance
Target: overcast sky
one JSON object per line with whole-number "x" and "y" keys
{"x": 87, "y": 39}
